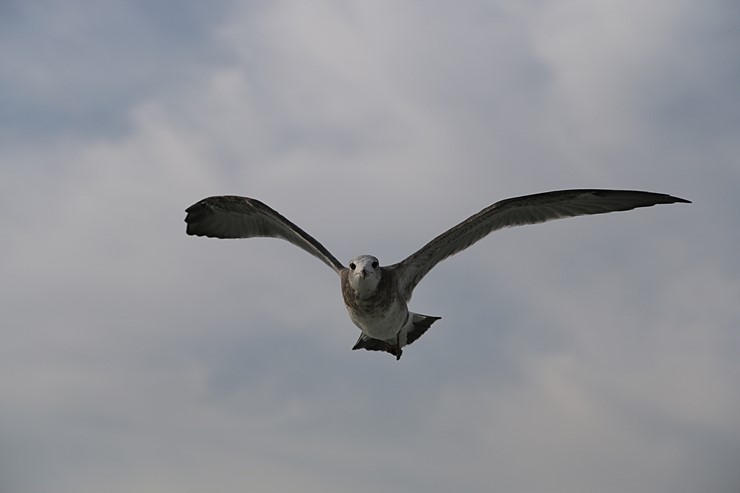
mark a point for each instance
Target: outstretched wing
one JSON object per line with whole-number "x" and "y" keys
{"x": 230, "y": 216}
{"x": 528, "y": 209}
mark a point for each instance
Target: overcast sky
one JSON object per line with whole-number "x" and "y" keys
{"x": 597, "y": 354}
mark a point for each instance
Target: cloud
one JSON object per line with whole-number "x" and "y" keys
{"x": 589, "y": 354}
{"x": 70, "y": 68}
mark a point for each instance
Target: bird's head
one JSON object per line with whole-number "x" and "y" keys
{"x": 364, "y": 272}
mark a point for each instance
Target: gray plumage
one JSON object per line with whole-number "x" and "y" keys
{"x": 376, "y": 297}
{"x": 229, "y": 216}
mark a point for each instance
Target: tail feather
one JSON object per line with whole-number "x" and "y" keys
{"x": 365, "y": 342}
{"x": 420, "y": 324}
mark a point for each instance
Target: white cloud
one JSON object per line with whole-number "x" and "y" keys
{"x": 598, "y": 353}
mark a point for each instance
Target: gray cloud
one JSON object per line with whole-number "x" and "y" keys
{"x": 590, "y": 354}
{"x": 69, "y": 68}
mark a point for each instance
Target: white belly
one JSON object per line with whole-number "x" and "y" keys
{"x": 383, "y": 325}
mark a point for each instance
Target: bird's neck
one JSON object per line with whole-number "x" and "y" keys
{"x": 363, "y": 287}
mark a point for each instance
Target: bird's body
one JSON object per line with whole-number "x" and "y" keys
{"x": 377, "y": 297}
{"x": 372, "y": 300}
{"x": 376, "y": 306}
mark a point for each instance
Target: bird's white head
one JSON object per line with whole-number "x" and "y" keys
{"x": 364, "y": 273}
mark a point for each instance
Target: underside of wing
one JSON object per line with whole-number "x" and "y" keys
{"x": 230, "y": 216}
{"x": 528, "y": 209}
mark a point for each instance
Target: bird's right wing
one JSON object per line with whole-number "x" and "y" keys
{"x": 230, "y": 216}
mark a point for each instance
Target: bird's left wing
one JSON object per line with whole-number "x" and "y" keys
{"x": 528, "y": 209}
{"x": 230, "y": 216}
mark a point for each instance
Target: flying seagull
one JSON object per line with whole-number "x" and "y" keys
{"x": 376, "y": 296}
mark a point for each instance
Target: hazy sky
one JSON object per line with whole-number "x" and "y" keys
{"x": 597, "y": 354}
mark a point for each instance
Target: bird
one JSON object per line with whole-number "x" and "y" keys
{"x": 376, "y": 297}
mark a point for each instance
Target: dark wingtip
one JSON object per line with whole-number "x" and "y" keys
{"x": 192, "y": 230}
{"x": 659, "y": 198}
{"x": 670, "y": 199}
{"x": 194, "y": 213}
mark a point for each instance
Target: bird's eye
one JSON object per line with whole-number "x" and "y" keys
{"x": 352, "y": 265}
{"x": 375, "y": 264}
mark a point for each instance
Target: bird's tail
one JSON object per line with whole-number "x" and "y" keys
{"x": 419, "y": 324}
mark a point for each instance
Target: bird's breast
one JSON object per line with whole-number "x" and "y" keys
{"x": 379, "y": 321}
{"x": 379, "y": 314}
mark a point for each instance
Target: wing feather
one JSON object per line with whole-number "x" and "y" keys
{"x": 516, "y": 211}
{"x": 230, "y": 216}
